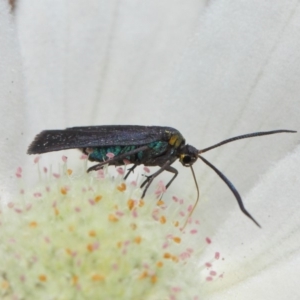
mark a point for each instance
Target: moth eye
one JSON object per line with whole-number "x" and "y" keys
{"x": 186, "y": 159}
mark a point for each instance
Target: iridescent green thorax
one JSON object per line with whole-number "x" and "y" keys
{"x": 100, "y": 154}
{"x": 156, "y": 148}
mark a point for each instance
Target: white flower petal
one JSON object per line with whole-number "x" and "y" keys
{"x": 264, "y": 263}
{"x": 240, "y": 74}
{"x": 12, "y": 108}
{"x": 98, "y": 62}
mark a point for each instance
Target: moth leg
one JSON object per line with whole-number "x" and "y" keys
{"x": 169, "y": 169}
{"x": 148, "y": 177}
{"x": 95, "y": 168}
{"x": 129, "y": 171}
{"x": 151, "y": 177}
{"x": 174, "y": 171}
{"x": 116, "y": 159}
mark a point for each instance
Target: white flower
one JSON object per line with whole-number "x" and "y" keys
{"x": 210, "y": 69}
{"x": 92, "y": 236}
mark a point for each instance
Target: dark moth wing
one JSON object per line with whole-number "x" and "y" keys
{"x": 98, "y": 136}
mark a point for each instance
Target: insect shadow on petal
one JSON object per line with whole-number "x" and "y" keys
{"x": 148, "y": 145}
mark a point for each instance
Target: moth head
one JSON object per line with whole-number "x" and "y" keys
{"x": 188, "y": 155}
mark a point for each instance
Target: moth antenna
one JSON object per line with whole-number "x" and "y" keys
{"x": 245, "y": 136}
{"x": 232, "y": 188}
